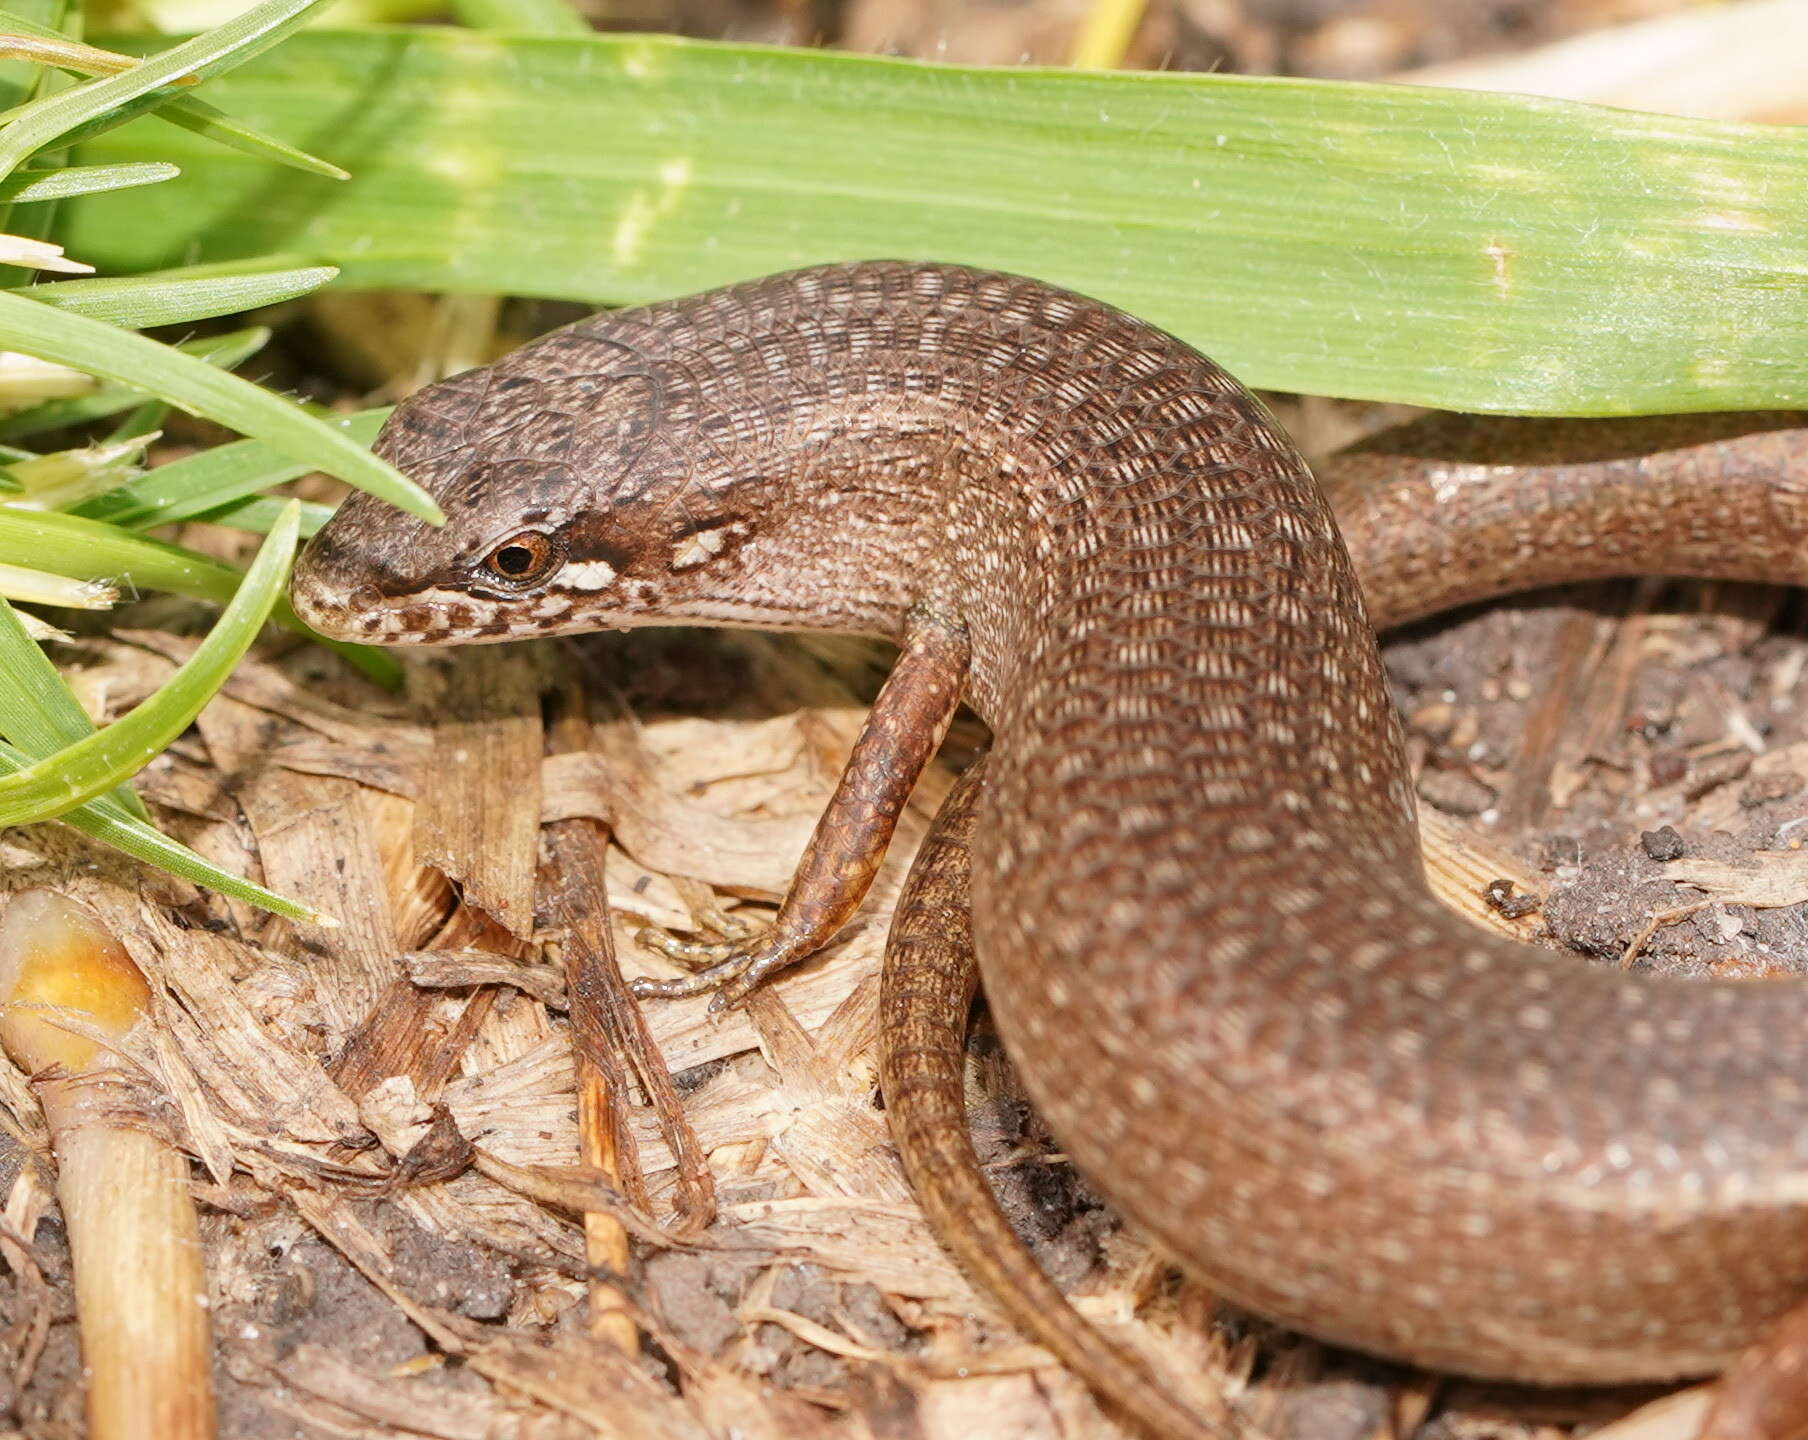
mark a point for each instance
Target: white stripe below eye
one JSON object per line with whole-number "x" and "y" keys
{"x": 588, "y": 575}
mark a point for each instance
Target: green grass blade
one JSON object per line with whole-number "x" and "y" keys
{"x": 84, "y": 549}
{"x": 88, "y": 550}
{"x": 142, "y": 841}
{"x": 227, "y": 350}
{"x": 32, "y": 185}
{"x": 37, "y": 124}
{"x": 257, "y": 515}
{"x": 38, "y": 711}
{"x": 59, "y": 782}
{"x": 141, "y": 301}
{"x": 190, "y": 112}
{"x": 210, "y": 123}
{"x": 140, "y": 420}
{"x": 197, "y": 387}
{"x": 1481, "y": 252}
{"x": 211, "y": 479}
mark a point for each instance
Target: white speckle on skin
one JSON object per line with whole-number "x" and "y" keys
{"x": 588, "y": 575}
{"x": 698, "y": 549}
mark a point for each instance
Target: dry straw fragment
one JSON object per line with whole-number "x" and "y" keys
{"x": 72, "y": 995}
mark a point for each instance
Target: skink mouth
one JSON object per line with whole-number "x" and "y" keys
{"x": 364, "y": 615}
{"x": 327, "y": 613}
{"x": 335, "y": 593}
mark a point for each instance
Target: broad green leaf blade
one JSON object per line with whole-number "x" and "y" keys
{"x": 38, "y": 711}
{"x": 79, "y": 772}
{"x": 35, "y": 125}
{"x": 143, "y": 841}
{"x": 32, "y": 185}
{"x": 1481, "y": 252}
{"x": 524, "y": 17}
{"x": 141, "y": 301}
{"x": 197, "y": 387}
{"x": 212, "y": 478}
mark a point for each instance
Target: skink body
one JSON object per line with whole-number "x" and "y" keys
{"x": 1196, "y": 897}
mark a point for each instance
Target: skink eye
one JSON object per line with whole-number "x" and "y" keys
{"x": 523, "y": 559}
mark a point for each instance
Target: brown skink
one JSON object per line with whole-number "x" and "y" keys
{"x": 1195, "y": 895}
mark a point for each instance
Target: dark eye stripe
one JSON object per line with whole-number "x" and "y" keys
{"x": 698, "y": 526}
{"x": 617, "y": 557}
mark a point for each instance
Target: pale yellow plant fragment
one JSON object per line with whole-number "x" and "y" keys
{"x": 32, "y": 254}
{"x": 25, "y": 380}
{"x": 36, "y": 587}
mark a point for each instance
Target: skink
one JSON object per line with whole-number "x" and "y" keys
{"x": 1195, "y": 893}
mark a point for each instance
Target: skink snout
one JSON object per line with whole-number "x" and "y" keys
{"x": 329, "y": 590}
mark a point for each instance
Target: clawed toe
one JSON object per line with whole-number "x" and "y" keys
{"x": 732, "y": 968}
{"x": 732, "y": 965}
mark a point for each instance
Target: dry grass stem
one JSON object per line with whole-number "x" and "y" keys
{"x": 71, "y": 993}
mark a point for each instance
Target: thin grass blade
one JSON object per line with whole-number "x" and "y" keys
{"x": 209, "y": 122}
{"x": 59, "y": 782}
{"x": 257, "y": 515}
{"x": 199, "y": 388}
{"x": 209, "y": 480}
{"x": 86, "y": 549}
{"x": 188, "y": 111}
{"x": 227, "y": 350}
{"x": 32, "y": 185}
{"x": 89, "y": 550}
{"x": 38, "y": 711}
{"x": 37, "y": 124}
{"x": 143, "y": 841}
{"x": 141, "y": 301}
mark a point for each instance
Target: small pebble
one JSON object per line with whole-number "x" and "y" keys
{"x": 1454, "y": 792}
{"x": 1499, "y": 894}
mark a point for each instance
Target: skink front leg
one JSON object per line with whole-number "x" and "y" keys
{"x": 902, "y": 732}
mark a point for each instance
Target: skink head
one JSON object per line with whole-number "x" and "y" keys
{"x": 568, "y": 478}
{"x": 715, "y": 460}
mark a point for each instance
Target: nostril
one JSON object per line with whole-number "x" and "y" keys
{"x": 364, "y": 597}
